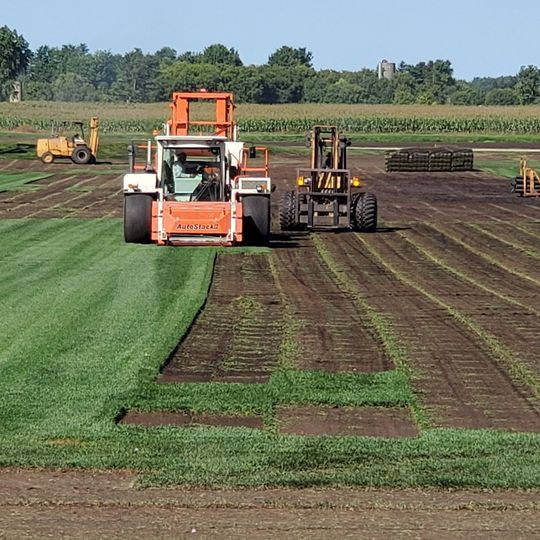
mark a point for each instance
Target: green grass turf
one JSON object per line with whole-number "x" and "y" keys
{"x": 505, "y": 167}
{"x": 88, "y": 320}
{"x": 401, "y": 138}
{"x": 19, "y": 181}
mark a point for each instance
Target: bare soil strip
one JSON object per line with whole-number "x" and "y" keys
{"x": 74, "y": 504}
{"x": 443, "y": 197}
{"x": 515, "y": 235}
{"x": 186, "y": 419}
{"x": 457, "y": 380}
{"x": 510, "y": 313}
{"x": 237, "y": 337}
{"x": 351, "y": 422}
{"x": 330, "y": 331}
{"x": 489, "y": 277}
{"x": 494, "y": 251}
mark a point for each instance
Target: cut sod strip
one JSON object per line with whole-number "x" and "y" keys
{"x": 19, "y": 181}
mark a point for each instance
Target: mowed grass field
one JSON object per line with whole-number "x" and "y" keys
{"x": 87, "y": 321}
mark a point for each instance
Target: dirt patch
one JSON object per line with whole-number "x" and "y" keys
{"x": 331, "y": 334}
{"x": 37, "y": 504}
{"x": 457, "y": 379}
{"x": 351, "y": 422}
{"x": 186, "y": 419}
{"x": 237, "y": 336}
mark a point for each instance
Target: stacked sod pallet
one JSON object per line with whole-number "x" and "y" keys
{"x": 429, "y": 159}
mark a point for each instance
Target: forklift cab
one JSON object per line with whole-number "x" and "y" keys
{"x": 192, "y": 173}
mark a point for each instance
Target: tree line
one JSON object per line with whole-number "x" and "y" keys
{"x": 73, "y": 73}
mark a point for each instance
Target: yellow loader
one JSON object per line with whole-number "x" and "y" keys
{"x": 76, "y": 148}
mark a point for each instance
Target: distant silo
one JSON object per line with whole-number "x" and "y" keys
{"x": 15, "y": 95}
{"x": 386, "y": 69}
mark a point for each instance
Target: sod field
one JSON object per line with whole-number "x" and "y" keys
{"x": 88, "y": 322}
{"x": 196, "y": 366}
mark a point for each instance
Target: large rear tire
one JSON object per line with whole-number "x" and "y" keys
{"x": 287, "y": 211}
{"x": 47, "y": 158}
{"x": 137, "y": 218}
{"x": 364, "y": 207}
{"x": 256, "y": 220}
{"x": 81, "y": 155}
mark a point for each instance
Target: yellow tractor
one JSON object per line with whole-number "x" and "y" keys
{"x": 75, "y": 147}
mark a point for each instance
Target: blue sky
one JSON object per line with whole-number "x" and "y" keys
{"x": 479, "y": 37}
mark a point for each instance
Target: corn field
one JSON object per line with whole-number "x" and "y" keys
{"x": 287, "y": 119}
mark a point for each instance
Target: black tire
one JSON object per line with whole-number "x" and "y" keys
{"x": 364, "y": 208}
{"x": 137, "y": 218}
{"x": 81, "y": 155}
{"x": 517, "y": 184}
{"x": 287, "y": 211}
{"x": 256, "y": 220}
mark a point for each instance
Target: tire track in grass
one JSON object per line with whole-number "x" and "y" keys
{"x": 454, "y": 373}
{"x": 391, "y": 255}
{"x": 34, "y": 202}
{"x": 528, "y": 211}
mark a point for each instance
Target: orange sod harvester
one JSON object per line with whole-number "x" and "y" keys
{"x": 199, "y": 189}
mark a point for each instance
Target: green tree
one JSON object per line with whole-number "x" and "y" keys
{"x": 72, "y": 87}
{"x": 219, "y": 54}
{"x": 316, "y": 86}
{"x": 186, "y": 77}
{"x": 528, "y": 85}
{"x": 288, "y": 56}
{"x": 166, "y": 53}
{"x": 283, "y": 84}
{"x": 44, "y": 66}
{"x": 14, "y": 58}
{"x": 465, "y": 93}
{"x": 433, "y": 81}
{"x": 502, "y": 96}
{"x": 485, "y": 84}
{"x": 101, "y": 73}
{"x": 246, "y": 83}
{"x": 189, "y": 56}
{"x": 136, "y": 79}
{"x": 405, "y": 88}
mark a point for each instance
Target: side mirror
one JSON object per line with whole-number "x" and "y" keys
{"x": 252, "y": 152}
